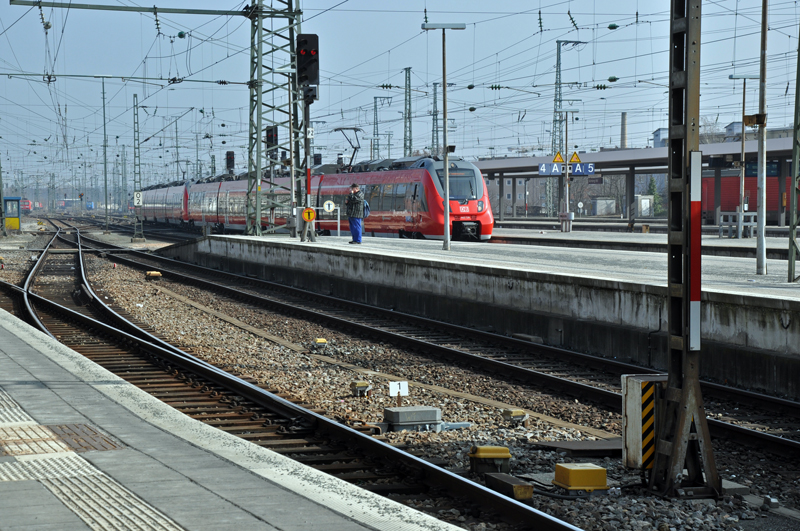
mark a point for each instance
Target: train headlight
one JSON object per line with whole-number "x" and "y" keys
{"x": 480, "y": 206}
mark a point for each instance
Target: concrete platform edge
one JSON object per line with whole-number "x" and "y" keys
{"x": 337, "y": 495}
{"x": 724, "y": 297}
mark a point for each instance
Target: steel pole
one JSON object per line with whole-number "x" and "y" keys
{"x": 105, "y": 157}
{"x": 793, "y": 247}
{"x": 566, "y": 164}
{"x": 2, "y": 202}
{"x": 761, "y": 248}
{"x": 291, "y": 218}
{"x": 740, "y": 217}
{"x": 446, "y": 244}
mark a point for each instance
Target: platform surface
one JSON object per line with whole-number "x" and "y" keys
{"x": 720, "y": 274}
{"x": 579, "y": 237}
{"x": 151, "y": 467}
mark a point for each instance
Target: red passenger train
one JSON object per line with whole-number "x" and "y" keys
{"x": 729, "y": 196}
{"x": 26, "y": 206}
{"x": 406, "y": 202}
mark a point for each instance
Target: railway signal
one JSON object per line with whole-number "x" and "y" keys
{"x": 272, "y": 142}
{"x": 308, "y": 59}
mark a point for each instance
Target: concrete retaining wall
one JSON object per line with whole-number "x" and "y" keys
{"x": 747, "y": 341}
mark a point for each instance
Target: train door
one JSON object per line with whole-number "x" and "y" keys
{"x": 226, "y": 208}
{"x": 218, "y": 215}
{"x": 399, "y": 217}
{"x": 386, "y": 207}
{"x": 185, "y": 203}
{"x": 372, "y": 194}
{"x": 414, "y": 189}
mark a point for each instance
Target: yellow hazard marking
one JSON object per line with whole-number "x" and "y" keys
{"x": 558, "y": 158}
{"x": 648, "y": 424}
{"x": 309, "y": 214}
{"x": 575, "y": 159}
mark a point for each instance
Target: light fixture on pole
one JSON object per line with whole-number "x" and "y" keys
{"x": 105, "y": 148}
{"x": 739, "y": 218}
{"x": 444, "y": 27}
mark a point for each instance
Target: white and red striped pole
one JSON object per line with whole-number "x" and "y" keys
{"x": 695, "y": 246}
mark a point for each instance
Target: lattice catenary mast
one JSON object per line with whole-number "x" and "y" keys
{"x": 407, "y": 115}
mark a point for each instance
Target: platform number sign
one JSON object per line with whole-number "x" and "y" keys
{"x": 557, "y": 168}
{"x": 137, "y": 199}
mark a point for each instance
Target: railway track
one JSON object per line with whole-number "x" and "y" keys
{"x": 734, "y": 413}
{"x": 59, "y": 301}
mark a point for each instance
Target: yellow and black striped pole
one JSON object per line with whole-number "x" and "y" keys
{"x": 648, "y": 424}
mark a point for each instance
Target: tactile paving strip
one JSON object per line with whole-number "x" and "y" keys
{"x": 45, "y": 454}
{"x": 11, "y": 412}
{"x": 30, "y": 440}
{"x": 104, "y": 504}
{"x": 46, "y": 467}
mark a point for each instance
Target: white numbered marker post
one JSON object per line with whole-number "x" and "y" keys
{"x": 398, "y": 389}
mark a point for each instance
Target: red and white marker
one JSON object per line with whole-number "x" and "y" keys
{"x": 695, "y": 248}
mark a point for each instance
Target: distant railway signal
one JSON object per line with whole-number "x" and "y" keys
{"x": 308, "y": 59}
{"x": 272, "y": 141}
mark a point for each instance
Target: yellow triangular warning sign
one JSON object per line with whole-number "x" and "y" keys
{"x": 575, "y": 159}
{"x": 558, "y": 158}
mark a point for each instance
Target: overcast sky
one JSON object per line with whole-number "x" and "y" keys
{"x": 364, "y": 44}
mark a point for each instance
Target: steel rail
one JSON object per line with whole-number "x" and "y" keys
{"x": 490, "y": 365}
{"x": 596, "y": 362}
{"x": 29, "y": 282}
{"x": 605, "y": 397}
{"x": 432, "y": 475}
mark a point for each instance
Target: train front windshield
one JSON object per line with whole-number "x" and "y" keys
{"x": 464, "y": 186}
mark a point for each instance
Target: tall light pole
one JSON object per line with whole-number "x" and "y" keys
{"x": 444, "y": 27}
{"x": 105, "y": 149}
{"x": 740, "y": 217}
{"x": 761, "y": 243}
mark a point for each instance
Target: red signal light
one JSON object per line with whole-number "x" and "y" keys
{"x": 302, "y": 52}
{"x": 313, "y": 52}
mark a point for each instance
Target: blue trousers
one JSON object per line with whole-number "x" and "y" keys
{"x": 356, "y": 225}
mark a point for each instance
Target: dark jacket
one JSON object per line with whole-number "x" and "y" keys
{"x": 355, "y": 204}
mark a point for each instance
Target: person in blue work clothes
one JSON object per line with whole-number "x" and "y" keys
{"x": 355, "y": 212}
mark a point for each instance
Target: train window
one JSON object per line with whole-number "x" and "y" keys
{"x": 400, "y": 196}
{"x": 388, "y": 197}
{"x": 463, "y": 183}
{"x": 373, "y": 196}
